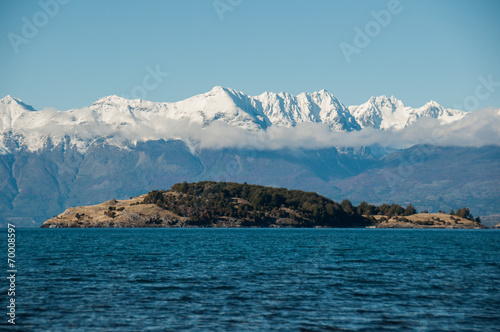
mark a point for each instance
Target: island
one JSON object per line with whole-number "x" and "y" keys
{"x": 228, "y": 204}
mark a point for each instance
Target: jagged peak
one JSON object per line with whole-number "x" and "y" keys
{"x": 323, "y": 93}
{"x": 286, "y": 95}
{"x": 10, "y": 99}
{"x": 384, "y": 100}
{"x": 266, "y": 93}
{"x": 223, "y": 93}
{"x": 216, "y": 90}
{"x": 269, "y": 96}
{"x": 113, "y": 99}
{"x": 432, "y": 103}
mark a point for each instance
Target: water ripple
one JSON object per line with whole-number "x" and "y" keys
{"x": 258, "y": 280}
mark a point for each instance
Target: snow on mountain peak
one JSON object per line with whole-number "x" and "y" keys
{"x": 114, "y": 115}
{"x": 383, "y": 100}
{"x": 432, "y": 103}
{"x": 218, "y": 90}
{"x": 284, "y": 109}
{"x": 380, "y": 113}
{"x": 114, "y": 99}
{"x": 8, "y": 99}
{"x": 385, "y": 113}
{"x": 434, "y": 110}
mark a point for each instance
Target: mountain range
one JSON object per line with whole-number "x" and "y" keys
{"x": 116, "y": 147}
{"x": 142, "y": 120}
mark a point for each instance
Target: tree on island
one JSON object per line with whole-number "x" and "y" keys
{"x": 255, "y": 205}
{"x": 258, "y": 205}
{"x": 410, "y": 210}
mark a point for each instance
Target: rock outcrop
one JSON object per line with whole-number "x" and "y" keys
{"x": 427, "y": 220}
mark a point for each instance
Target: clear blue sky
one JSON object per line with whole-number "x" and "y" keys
{"x": 430, "y": 50}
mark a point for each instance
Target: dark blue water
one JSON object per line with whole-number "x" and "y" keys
{"x": 257, "y": 279}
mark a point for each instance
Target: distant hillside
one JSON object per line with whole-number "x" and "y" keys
{"x": 491, "y": 221}
{"x": 228, "y": 204}
{"x": 431, "y": 178}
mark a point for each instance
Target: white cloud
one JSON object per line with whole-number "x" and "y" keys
{"x": 479, "y": 128}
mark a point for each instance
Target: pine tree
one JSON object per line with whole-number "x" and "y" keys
{"x": 410, "y": 210}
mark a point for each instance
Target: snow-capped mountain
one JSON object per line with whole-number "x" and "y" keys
{"x": 390, "y": 113}
{"x": 116, "y": 147}
{"x": 283, "y": 109}
{"x": 118, "y": 120}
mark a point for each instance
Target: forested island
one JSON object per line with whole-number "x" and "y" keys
{"x": 228, "y": 204}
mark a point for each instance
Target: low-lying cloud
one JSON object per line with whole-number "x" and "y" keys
{"x": 478, "y": 128}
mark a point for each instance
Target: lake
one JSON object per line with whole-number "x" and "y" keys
{"x": 256, "y": 280}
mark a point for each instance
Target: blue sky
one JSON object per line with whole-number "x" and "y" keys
{"x": 89, "y": 49}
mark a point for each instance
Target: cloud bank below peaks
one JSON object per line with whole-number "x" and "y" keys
{"x": 478, "y": 128}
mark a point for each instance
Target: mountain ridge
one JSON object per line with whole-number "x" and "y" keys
{"x": 112, "y": 115}
{"x": 38, "y": 185}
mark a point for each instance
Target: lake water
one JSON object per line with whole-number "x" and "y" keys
{"x": 256, "y": 280}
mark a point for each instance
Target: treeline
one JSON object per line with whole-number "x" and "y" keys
{"x": 385, "y": 209}
{"x": 206, "y": 201}
{"x": 465, "y": 213}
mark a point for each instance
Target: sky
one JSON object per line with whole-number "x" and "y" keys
{"x": 69, "y": 53}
